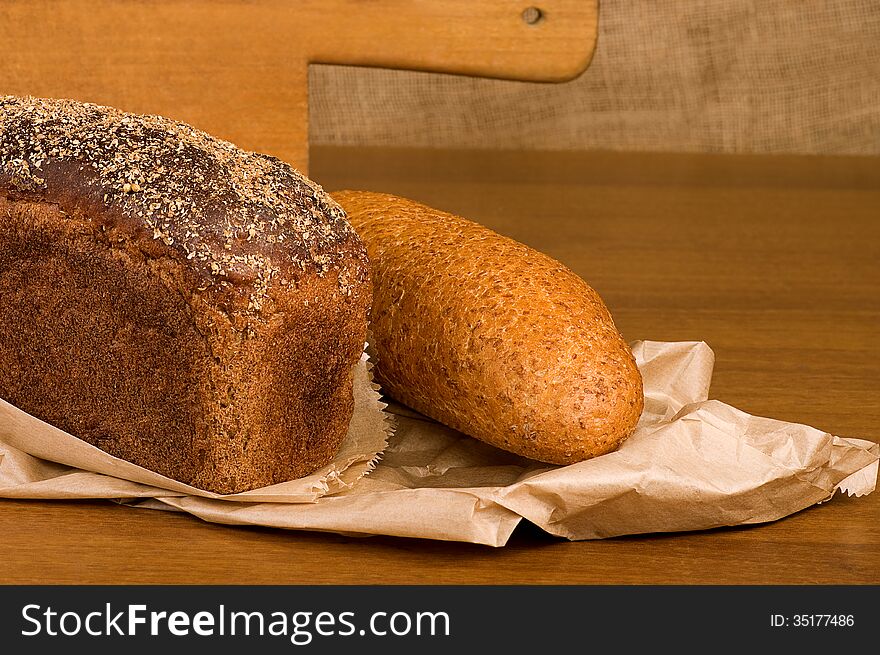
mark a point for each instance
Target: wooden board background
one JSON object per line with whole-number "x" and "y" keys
{"x": 239, "y": 69}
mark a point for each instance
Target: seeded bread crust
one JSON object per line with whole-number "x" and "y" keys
{"x": 177, "y": 302}
{"x": 491, "y": 337}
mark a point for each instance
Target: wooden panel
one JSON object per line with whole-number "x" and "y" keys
{"x": 239, "y": 69}
{"x": 489, "y": 39}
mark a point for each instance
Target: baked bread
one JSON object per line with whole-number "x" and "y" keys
{"x": 490, "y": 337}
{"x": 177, "y": 302}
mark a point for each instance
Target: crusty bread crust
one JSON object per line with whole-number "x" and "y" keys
{"x": 173, "y": 300}
{"x": 491, "y": 337}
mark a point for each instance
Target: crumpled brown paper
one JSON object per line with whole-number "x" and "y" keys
{"x": 692, "y": 464}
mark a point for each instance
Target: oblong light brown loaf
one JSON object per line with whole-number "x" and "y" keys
{"x": 491, "y": 337}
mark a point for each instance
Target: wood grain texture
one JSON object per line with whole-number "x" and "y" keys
{"x": 771, "y": 260}
{"x": 239, "y": 69}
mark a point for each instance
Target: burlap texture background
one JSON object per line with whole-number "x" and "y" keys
{"x": 765, "y": 76}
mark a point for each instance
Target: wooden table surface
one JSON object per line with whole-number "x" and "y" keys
{"x": 771, "y": 260}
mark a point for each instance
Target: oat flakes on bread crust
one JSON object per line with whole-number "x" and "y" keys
{"x": 491, "y": 337}
{"x": 178, "y": 302}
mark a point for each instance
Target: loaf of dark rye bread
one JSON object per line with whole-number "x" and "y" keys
{"x": 491, "y": 337}
{"x": 177, "y": 302}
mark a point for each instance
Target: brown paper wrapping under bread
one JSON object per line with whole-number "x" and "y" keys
{"x": 491, "y": 337}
